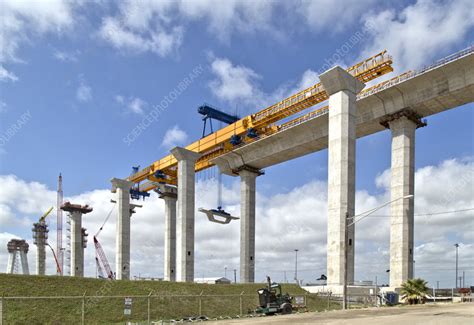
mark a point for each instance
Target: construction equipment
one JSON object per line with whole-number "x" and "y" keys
{"x": 59, "y": 224}
{"x": 43, "y": 217}
{"x": 252, "y": 127}
{"x": 58, "y": 267}
{"x": 101, "y": 259}
{"x": 211, "y": 113}
{"x": 272, "y": 300}
{"x": 223, "y": 217}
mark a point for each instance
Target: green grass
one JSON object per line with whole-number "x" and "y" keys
{"x": 109, "y": 310}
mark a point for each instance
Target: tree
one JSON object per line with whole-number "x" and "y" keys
{"x": 414, "y": 291}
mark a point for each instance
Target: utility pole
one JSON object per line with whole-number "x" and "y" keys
{"x": 296, "y": 266}
{"x": 225, "y": 272}
{"x": 235, "y": 276}
{"x": 437, "y": 284}
{"x": 463, "y": 279}
{"x": 457, "y": 246}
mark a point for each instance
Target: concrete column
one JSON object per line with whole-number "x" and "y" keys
{"x": 342, "y": 89}
{"x": 77, "y": 251}
{"x": 12, "y": 256}
{"x": 402, "y": 211}
{"x": 185, "y": 213}
{"x": 247, "y": 225}
{"x": 122, "y": 244}
{"x": 169, "y": 195}
{"x": 40, "y": 259}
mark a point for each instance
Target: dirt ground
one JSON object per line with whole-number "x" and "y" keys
{"x": 458, "y": 314}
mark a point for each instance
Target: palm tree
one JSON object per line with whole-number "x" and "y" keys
{"x": 414, "y": 291}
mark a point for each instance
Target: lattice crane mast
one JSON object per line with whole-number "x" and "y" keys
{"x": 252, "y": 127}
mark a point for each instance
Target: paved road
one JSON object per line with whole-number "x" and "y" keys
{"x": 442, "y": 314}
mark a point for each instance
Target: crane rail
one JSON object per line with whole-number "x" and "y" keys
{"x": 383, "y": 85}
{"x": 263, "y": 122}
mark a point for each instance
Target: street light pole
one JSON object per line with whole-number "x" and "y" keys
{"x": 296, "y": 266}
{"x": 346, "y": 249}
{"x": 348, "y": 224}
{"x": 457, "y": 246}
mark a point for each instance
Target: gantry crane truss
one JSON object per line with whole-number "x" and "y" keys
{"x": 255, "y": 126}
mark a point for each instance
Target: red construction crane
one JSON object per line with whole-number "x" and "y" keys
{"x": 100, "y": 258}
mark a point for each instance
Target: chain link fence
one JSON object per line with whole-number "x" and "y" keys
{"x": 142, "y": 309}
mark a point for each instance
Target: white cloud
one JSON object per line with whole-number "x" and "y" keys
{"x": 174, "y": 137}
{"x": 330, "y": 15}
{"x": 6, "y": 75}
{"x": 239, "y": 85}
{"x": 65, "y": 56}
{"x": 293, "y": 219}
{"x": 421, "y": 32}
{"x": 139, "y": 28}
{"x": 233, "y": 82}
{"x": 132, "y": 104}
{"x": 84, "y": 91}
{"x": 136, "y": 105}
{"x": 22, "y": 21}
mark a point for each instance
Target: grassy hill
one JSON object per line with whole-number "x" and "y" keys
{"x": 170, "y": 300}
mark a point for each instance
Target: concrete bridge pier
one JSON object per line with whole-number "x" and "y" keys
{"x": 402, "y": 125}
{"x": 342, "y": 89}
{"x": 247, "y": 223}
{"x": 185, "y": 213}
{"x": 122, "y": 251}
{"x": 169, "y": 195}
{"x": 77, "y": 236}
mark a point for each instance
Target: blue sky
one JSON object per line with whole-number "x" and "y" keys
{"x": 89, "y": 71}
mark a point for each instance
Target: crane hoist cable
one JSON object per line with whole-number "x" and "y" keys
{"x": 105, "y": 221}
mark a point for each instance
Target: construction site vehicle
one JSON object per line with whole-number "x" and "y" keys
{"x": 272, "y": 300}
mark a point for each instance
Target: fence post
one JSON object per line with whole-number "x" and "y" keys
{"x": 329, "y": 297}
{"x": 1, "y": 310}
{"x": 452, "y": 295}
{"x": 241, "y": 303}
{"x": 148, "y": 318}
{"x": 83, "y": 308}
{"x": 200, "y": 303}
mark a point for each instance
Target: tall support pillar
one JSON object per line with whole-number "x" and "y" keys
{"x": 122, "y": 243}
{"x": 77, "y": 240}
{"x": 77, "y": 252}
{"x": 342, "y": 89}
{"x": 40, "y": 260}
{"x": 12, "y": 256}
{"x": 402, "y": 125}
{"x": 169, "y": 195}
{"x": 24, "y": 262}
{"x": 185, "y": 213}
{"x": 247, "y": 224}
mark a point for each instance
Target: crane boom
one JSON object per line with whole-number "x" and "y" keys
{"x": 100, "y": 256}
{"x": 255, "y": 125}
{"x": 43, "y": 217}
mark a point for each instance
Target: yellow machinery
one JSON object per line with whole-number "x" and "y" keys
{"x": 255, "y": 126}
{"x": 43, "y": 217}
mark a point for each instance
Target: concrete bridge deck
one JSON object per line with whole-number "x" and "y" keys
{"x": 443, "y": 87}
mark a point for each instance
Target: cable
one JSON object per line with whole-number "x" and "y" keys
{"x": 106, "y": 219}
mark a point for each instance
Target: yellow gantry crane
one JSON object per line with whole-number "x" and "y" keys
{"x": 255, "y": 126}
